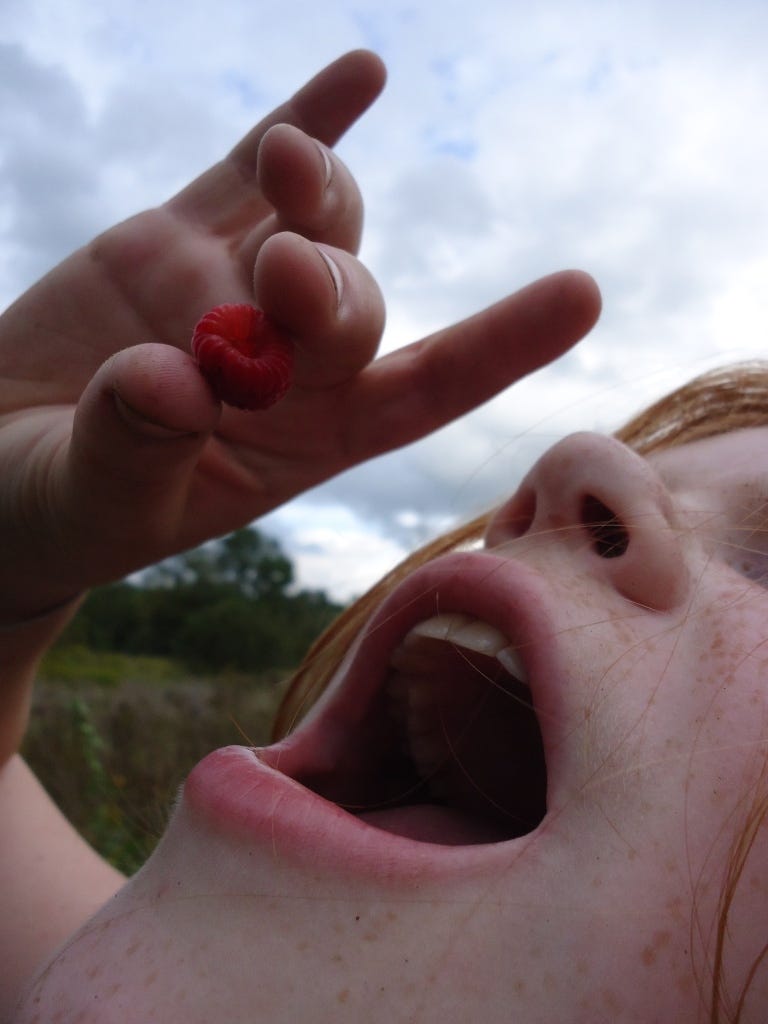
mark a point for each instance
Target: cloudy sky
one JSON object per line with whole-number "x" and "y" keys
{"x": 514, "y": 139}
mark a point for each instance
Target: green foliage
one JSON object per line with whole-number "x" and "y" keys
{"x": 247, "y": 561}
{"x": 155, "y": 674}
{"x": 105, "y": 818}
{"x": 76, "y": 663}
{"x": 228, "y": 604}
{"x": 113, "y": 758}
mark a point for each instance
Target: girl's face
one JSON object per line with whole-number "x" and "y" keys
{"x": 426, "y": 848}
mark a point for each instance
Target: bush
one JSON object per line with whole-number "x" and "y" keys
{"x": 113, "y": 757}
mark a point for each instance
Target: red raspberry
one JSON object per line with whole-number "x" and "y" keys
{"x": 247, "y": 361}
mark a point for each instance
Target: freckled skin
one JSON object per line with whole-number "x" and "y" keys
{"x": 607, "y": 912}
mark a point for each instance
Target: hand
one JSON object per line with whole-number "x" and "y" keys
{"x": 108, "y": 466}
{"x": 105, "y": 422}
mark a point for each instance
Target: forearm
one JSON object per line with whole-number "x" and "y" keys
{"x": 22, "y": 645}
{"x": 51, "y": 881}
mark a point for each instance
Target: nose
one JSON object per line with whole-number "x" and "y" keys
{"x": 609, "y": 508}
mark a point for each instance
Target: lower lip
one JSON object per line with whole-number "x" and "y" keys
{"x": 237, "y": 793}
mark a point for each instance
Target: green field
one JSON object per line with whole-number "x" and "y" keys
{"x": 112, "y": 737}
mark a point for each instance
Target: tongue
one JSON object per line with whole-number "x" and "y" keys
{"x": 429, "y": 823}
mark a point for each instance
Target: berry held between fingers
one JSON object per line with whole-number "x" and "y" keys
{"x": 245, "y": 358}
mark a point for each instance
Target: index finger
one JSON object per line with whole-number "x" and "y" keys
{"x": 324, "y": 108}
{"x": 407, "y": 394}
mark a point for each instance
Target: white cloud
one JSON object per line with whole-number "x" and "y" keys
{"x": 625, "y": 139}
{"x": 332, "y": 548}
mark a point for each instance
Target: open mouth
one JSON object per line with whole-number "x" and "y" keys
{"x": 448, "y": 749}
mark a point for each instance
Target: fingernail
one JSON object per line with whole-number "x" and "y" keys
{"x": 335, "y": 273}
{"x": 328, "y": 163}
{"x": 136, "y": 421}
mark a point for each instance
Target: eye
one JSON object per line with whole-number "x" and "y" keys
{"x": 610, "y": 537}
{"x": 745, "y": 544}
{"x": 747, "y": 558}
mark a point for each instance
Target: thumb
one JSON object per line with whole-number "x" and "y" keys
{"x": 137, "y": 435}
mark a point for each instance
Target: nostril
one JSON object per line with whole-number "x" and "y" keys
{"x": 610, "y": 537}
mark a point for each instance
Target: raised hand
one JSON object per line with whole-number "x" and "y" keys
{"x": 113, "y": 451}
{"x": 104, "y": 419}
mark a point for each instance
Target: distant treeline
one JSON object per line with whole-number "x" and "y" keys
{"x": 228, "y": 604}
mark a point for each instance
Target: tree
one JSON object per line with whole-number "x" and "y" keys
{"x": 247, "y": 560}
{"x": 255, "y": 563}
{"x": 227, "y": 604}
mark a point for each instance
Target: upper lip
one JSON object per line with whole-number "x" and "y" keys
{"x": 506, "y": 594}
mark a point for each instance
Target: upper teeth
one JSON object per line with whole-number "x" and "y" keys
{"x": 460, "y": 631}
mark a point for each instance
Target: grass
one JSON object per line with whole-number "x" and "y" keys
{"x": 77, "y": 664}
{"x": 112, "y": 738}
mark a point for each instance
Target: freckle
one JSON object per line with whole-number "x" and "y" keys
{"x": 519, "y": 987}
{"x": 150, "y": 979}
{"x": 302, "y": 947}
{"x": 549, "y": 983}
{"x": 133, "y": 947}
{"x": 391, "y": 915}
{"x": 343, "y": 996}
{"x": 114, "y": 988}
{"x": 676, "y": 905}
{"x": 660, "y": 940}
{"x": 684, "y": 983}
{"x": 611, "y": 1000}
{"x": 370, "y": 937}
{"x": 337, "y": 958}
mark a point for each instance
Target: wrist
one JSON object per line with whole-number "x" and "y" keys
{"x": 53, "y": 617}
{"x": 22, "y": 644}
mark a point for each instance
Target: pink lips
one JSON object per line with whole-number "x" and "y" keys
{"x": 252, "y": 796}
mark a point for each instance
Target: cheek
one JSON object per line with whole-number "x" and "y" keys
{"x": 713, "y": 714}
{"x": 673, "y": 725}
{"x": 732, "y": 670}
